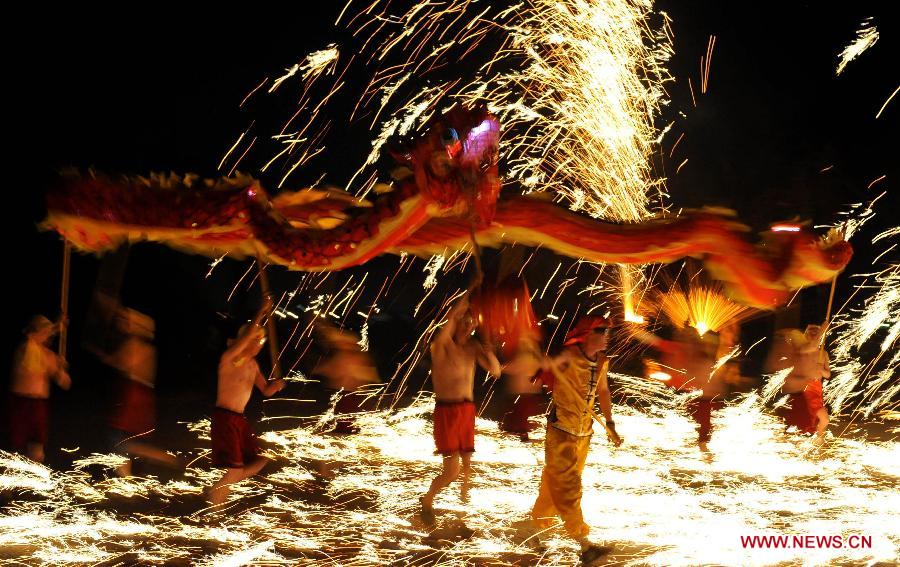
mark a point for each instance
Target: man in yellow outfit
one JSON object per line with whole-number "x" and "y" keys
{"x": 580, "y": 380}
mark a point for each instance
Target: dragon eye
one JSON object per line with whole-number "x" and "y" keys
{"x": 449, "y": 137}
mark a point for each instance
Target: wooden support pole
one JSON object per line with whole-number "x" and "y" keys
{"x": 270, "y": 322}
{"x": 64, "y": 298}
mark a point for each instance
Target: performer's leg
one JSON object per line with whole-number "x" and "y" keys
{"x": 466, "y": 472}
{"x": 151, "y": 453}
{"x": 220, "y": 490}
{"x": 567, "y": 493}
{"x": 516, "y": 421}
{"x": 544, "y": 513}
{"x": 565, "y": 456}
{"x": 701, "y": 410}
{"x": 449, "y": 473}
{"x": 345, "y": 410}
{"x": 821, "y": 424}
{"x": 35, "y": 452}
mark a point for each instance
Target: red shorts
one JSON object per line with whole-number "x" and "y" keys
{"x": 814, "y": 397}
{"x": 454, "y": 427}
{"x": 135, "y": 409}
{"x": 701, "y": 411}
{"x": 802, "y": 407}
{"x": 27, "y": 421}
{"x": 234, "y": 443}
{"x": 796, "y": 413}
{"x": 524, "y": 407}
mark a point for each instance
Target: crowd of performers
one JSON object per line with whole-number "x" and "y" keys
{"x": 574, "y": 380}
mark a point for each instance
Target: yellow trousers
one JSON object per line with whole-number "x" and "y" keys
{"x": 560, "y": 493}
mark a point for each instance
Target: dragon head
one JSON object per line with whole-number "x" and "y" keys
{"x": 455, "y": 162}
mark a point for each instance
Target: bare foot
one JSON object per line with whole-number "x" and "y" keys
{"x": 217, "y": 495}
{"x": 427, "y": 512}
{"x": 124, "y": 470}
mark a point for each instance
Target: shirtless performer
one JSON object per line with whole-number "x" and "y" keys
{"x": 454, "y": 353}
{"x": 234, "y": 444}
{"x": 34, "y": 366}
{"x": 802, "y": 351}
{"x": 580, "y": 381}
{"x": 134, "y": 413}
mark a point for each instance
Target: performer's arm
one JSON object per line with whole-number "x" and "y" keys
{"x": 603, "y": 396}
{"x": 251, "y": 333}
{"x": 60, "y": 375}
{"x": 488, "y": 360}
{"x": 604, "y": 399}
{"x": 826, "y": 366}
{"x": 446, "y": 332}
{"x": 655, "y": 341}
{"x": 268, "y": 388}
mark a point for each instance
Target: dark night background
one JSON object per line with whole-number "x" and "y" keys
{"x": 159, "y": 91}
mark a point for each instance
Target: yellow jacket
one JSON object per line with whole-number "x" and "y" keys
{"x": 574, "y": 392}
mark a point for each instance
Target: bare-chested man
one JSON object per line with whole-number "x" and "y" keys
{"x": 34, "y": 367}
{"x": 809, "y": 365}
{"x": 234, "y": 444}
{"x": 454, "y": 353}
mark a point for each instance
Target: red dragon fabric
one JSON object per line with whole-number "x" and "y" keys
{"x": 449, "y": 191}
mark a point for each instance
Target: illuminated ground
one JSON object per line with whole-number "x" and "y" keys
{"x": 655, "y": 498}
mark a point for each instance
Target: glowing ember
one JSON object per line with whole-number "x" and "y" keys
{"x": 785, "y": 228}
{"x": 660, "y": 375}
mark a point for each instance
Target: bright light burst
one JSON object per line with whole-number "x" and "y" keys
{"x": 870, "y": 331}
{"x": 353, "y": 500}
{"x": 703, "y": 308}
{"x": 586, "y": 101}
{"x": 866, "y": 36}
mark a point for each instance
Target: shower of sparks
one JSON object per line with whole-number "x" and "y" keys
{"x": 632, "y": 292}
{"x": 317, "y": 62}
{"x": 586, "y": 101}
{"x": 353, "y": 500}
{"x": 578, "y": 86}
{"x": 866, "y": 339}
{"x": 866, "y": 37}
